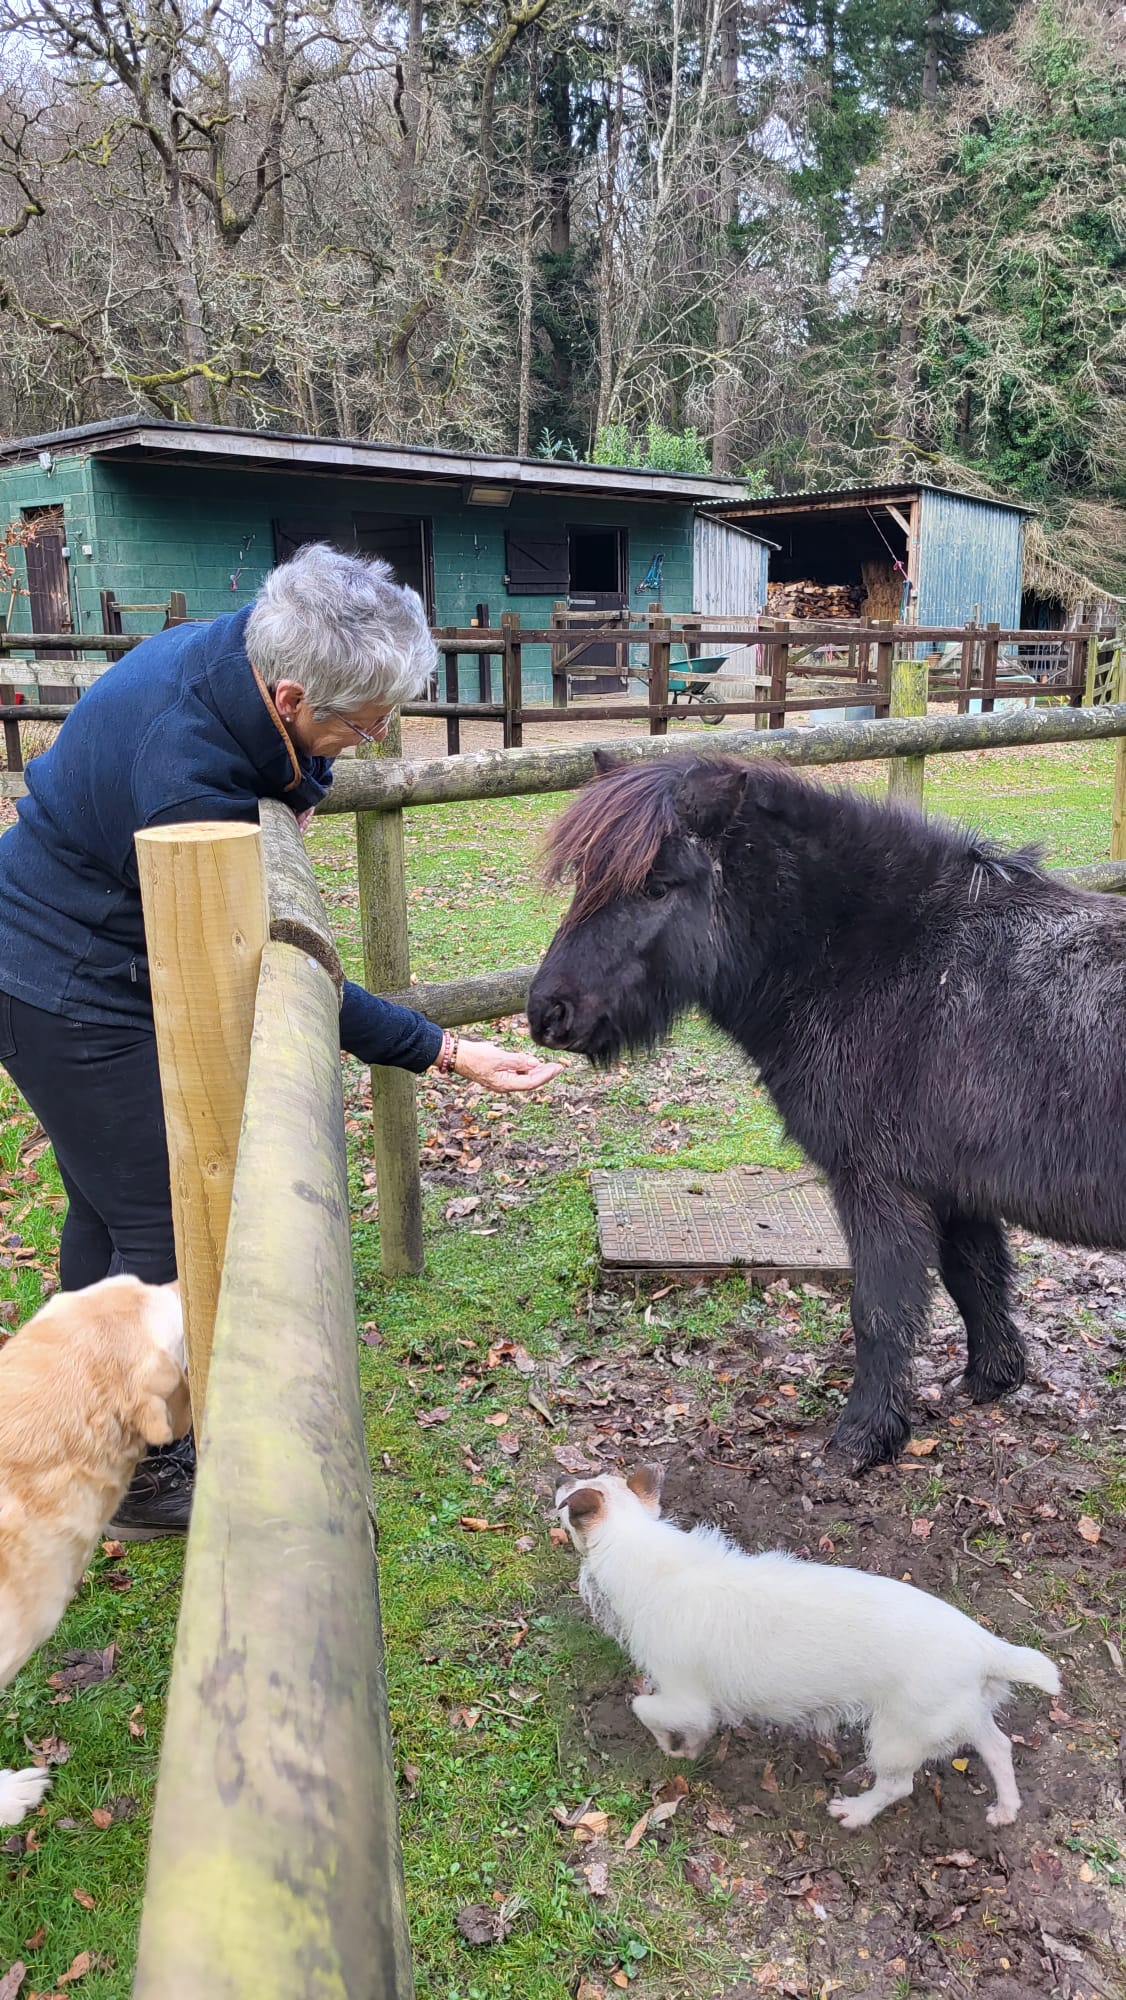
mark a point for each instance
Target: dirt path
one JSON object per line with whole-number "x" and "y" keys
{"x": 998, "y": 1510}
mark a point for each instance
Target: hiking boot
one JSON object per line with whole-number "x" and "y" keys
{"x": 159, "y": 1502}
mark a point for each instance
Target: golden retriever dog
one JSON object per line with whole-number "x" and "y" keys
{"x": 85, "y": 1387}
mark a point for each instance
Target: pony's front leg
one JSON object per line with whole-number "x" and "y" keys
{"x": 893, "y": 1241}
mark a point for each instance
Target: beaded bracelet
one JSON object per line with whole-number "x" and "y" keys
{"x": 448, "y": 1055}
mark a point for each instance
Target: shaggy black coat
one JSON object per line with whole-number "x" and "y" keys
{"x": 938, "y": 1022}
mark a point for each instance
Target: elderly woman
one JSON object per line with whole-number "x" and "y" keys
{"x": 197, "y": 723}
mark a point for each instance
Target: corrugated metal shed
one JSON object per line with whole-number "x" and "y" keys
{"x": 729, "y": 570}
{"x": 971, "y": 552}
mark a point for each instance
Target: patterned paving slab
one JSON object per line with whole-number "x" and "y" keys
{"x": 755, "y": 1219}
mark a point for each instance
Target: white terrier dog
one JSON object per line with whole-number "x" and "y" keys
{"x": 724, "y": 1637}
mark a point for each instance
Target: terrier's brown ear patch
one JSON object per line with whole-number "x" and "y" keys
{"x": 646, "y": 1482}
{"x": 584, "y": 1505}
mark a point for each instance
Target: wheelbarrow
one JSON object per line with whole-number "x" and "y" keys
{"x": 695, "y": 681}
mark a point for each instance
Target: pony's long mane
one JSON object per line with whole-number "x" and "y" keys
{"x": 610, "y": 835}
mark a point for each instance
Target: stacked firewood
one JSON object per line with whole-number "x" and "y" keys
{"x": 814, "y": 600}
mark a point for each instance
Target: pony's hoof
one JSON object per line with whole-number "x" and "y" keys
{"x": 988, "y": 1384}
{"x": 859, "y": 1445}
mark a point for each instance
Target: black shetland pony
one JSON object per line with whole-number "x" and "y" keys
{"x": 939, "y": 1023}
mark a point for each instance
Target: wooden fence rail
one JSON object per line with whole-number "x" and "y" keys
{"x": 844, "y": 664}
{"x": 275, "y": 1865}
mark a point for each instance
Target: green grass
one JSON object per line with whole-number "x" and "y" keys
{"x": 477, "y": 1815}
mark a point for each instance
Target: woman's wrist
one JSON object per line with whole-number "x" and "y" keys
{"x": 446, "y": 1060}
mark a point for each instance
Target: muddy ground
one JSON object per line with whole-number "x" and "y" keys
{"x": 991, "y": 1512}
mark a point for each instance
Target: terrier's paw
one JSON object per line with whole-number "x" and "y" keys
{"x": 1001, "y": 1815}
{"x": 850, "y": 1812}
{"x": 20, "y": 1793}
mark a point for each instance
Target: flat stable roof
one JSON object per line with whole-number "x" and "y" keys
{"x": 162, "y": 439}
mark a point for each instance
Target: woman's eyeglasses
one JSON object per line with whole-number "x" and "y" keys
{"x": 365, "y": 735}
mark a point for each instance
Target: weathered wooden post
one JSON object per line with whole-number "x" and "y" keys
{"x": 1117, "y": 684}
{"x": 660, "y": 656}
{"x": 885, "y": 655}
{"x": 453, "y": 722}
{"x": 990, "y": 650}
{"x": 779, "y": 673}
{"x": 381, "y": 877}
{"x": 204, "y": 897}
{"x": 512, "y": 680}
{"x": 907, "y": 775}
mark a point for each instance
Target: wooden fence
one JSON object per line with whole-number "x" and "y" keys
{"x": 809, "y": 668}
{"x": 378, "y": 788}
{"x": 275, "y": 1865}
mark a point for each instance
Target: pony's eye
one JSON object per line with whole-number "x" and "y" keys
{"x": 654, "y": 891}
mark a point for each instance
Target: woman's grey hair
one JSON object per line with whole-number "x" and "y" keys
{"x": 344, "y": 628}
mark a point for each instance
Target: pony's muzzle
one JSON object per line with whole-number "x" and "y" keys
{"x": 551, "y": 1022}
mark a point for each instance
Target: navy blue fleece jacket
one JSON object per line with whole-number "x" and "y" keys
{"x": 180, "y": 729}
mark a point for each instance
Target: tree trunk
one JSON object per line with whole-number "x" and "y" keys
{"x": 527, "y": 249}
{"x": 725, "y": 394}
{"x": 196, "y": 391}
{"x": 408, "y": 104}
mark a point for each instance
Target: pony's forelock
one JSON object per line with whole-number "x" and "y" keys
{"x": 610, "y": 835}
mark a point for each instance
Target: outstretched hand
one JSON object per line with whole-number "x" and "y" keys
{"x": 503, "y": 1069}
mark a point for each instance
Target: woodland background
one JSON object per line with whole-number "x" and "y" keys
{"x": 810, "y": 242}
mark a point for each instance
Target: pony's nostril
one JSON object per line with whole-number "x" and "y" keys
{"x": 556, "y": 1020}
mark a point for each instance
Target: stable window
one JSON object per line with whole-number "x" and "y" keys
{"x": 403, "y": 540}
{"x": 536, "y": 565}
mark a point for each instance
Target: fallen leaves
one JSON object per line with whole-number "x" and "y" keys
{"x": 597, "y": 1875}
{"x": 84, "y": 1899}
{"x": 573, "y": 1458}
{"x": 476, "y": 1524}
{"x": 768, "y": 1782}
{"x": 1088, "y": 1529}
{"x": 465, "y": 1718}
{"x": 85, "y": 1668}
{"x": 489, "y": 1923}
{"x": 12, "y": 1980}
{"x": 78, "y": 1968}
{"x": 136, "y": 1722}
{"x": 426, "y": 1419}
{"x": 102, "y": 1818}
{"x": 921, "y": 1447}
{"x": 921, "y": 1529}
{"x": 49, "y": 1750}
{"x": 960, "y": 1858}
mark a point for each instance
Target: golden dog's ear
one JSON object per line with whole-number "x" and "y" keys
{"x": 162, "y": 1410}
{"x": 584, "y": 1505}
{"x": 646, "y": 1482}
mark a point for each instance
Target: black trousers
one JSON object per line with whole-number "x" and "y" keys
{"x": 96, "y": 1093}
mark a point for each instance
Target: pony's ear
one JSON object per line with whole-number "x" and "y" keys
{"x": 605, "y": 762}
{"x": 646, "y": 1481}
{"x": 710, "y": 795}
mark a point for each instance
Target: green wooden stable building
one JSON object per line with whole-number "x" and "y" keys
{"x": 143, "y": 507}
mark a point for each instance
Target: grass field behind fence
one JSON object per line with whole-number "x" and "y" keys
{"x": 476, "y": 1800}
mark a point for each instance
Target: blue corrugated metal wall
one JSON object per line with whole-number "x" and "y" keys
{"x": 970, "y": 553}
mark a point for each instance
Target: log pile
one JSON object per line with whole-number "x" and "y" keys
{"x": 815, "y": 601}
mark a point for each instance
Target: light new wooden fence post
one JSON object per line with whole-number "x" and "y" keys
{"x": 1118, "y": 808}
{"x": 907, "y": 775}
{"x": 381, "y": 876}
{"x": 204, "y": 896}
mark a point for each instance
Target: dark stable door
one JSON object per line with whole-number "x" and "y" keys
{"x": 47, "y": 591}
{"x": 597, "y": 582}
